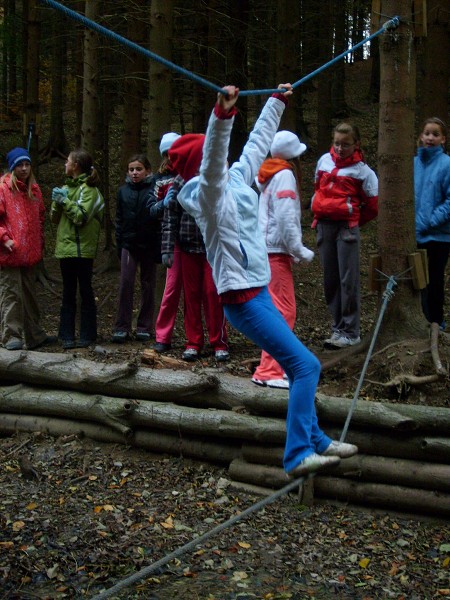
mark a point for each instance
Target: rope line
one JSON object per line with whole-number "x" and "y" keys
{"x": 391, "y": 24}
{"x": 146, "y": 571}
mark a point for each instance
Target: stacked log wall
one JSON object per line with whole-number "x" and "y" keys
{"x": 404, "y": 458}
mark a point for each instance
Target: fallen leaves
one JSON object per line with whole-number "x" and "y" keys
{"x": 65, "y": 539}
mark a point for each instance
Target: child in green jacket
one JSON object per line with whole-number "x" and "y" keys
{"x": 77, "y": 207}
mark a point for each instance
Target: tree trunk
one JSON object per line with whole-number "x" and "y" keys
{"x": 396, "y": 234}
{"x": 434, "y": 84}
{"x": 324, "y": 108}
{"x": 394, "y": 497}
{"x": 123, "y": 381}
{"x": 155, "y": 441}
{"x": 326, "y": 486}
{"x": 56, "y": 143}
{"x": 31, "y": 99}
{"x": 91, "y": 83}
{"x": 160, "y": 78}
{"x": 127, "y": 415}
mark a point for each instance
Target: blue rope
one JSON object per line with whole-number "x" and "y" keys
{"x": 391, "y": 24}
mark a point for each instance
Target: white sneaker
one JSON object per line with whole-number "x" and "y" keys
{"x": 190, "y": 355}
{"x": 222, "y": 355}
{"x": 280, "y": 384}
{"x": 340, "y": 449}
{"x": 314, "y": 462}
{"x": 334, "y": 336}
{"x": 344, "y": 342}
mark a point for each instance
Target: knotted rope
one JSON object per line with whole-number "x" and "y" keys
{"x": 391, "y": 24}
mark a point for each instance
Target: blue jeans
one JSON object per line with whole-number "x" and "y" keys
{"x": 262, "y": 323}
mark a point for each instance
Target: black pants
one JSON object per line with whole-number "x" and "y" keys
{"x": 433, "y": 295}
{"x": 77, "y": 272}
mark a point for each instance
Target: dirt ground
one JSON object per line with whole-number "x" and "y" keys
{"x": 77, "y": 517}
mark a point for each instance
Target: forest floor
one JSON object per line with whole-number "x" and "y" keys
{"x": 88, "y": 515}
{"x": 77, "y": 516}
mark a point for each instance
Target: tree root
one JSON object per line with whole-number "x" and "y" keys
{"x": 434, "y": 349}
{"x": 403, "y": 379}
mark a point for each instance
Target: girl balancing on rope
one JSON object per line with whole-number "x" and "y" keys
{"x": 225, "y": 208}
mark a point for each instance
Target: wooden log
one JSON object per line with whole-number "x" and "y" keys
{"x": 331, "y": 409}
{"x": 392, "y": 497}
{"x": 68, "y": 371}
{"x": 155, "y": 441}
{"x": 134, "y": 414}
{"x": 410, "y": 473}
{"x": 412, "y": 447}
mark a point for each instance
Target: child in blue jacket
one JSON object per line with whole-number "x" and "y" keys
{"x": 432, "y": 199}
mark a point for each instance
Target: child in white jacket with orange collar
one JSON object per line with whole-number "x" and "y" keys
{"x": 279, "y": 217}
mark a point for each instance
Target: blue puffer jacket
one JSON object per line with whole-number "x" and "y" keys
{"x": 432, "y": 195}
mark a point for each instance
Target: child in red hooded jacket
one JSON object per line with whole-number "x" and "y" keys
{"x": 21, "y": 247}
{"x": 346, "y": 197}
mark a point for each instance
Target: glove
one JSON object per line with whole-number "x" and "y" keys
{"x": 167, "y": 259}
{"x": 170, "y": 196}
{"x": 307, "y": 254}
{"x": 59, "y": 195}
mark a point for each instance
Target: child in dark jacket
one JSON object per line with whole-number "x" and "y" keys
{"x": 138, "y": 238}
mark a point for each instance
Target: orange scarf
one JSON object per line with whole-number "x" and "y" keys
{"x": 270, "y": 167}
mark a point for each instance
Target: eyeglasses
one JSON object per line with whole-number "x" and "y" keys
{"x": 343, "y": 146}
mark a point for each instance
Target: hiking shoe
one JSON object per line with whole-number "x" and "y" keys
{"x": 14, "y": 345}
{"x": 162, "y": 347}
{"x": 190, "y": 355}
{"x": 143, "y": 336}
{"x": 344, "y": 342}
{"x": 68, "y": 344}
{"x": 314, "y": 462}
{"x": 119, "y": 337}
{"x": 340, "y": 449}
{"x": 47, "y": 341}
{"x": 84, "y": 343}
{"x": 222, "y": 355}
{"x": 334, "y": 337}
{"x": 280, "y": 384}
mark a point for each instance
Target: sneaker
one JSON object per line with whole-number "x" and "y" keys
{"x": 68, "y": 344}
{"x": 84, "y": 343}
{"x": 14, "y": 345}
{"x": 334, "y": 337}
{"x": 280, "y": 384}
{"x": 340, "y": 449}
{"x": 222, "y": 355}
{"x": 344, "y": 342}
{"x": 47, "y": 341}
{"x": 162, "y": 347}
{"x": 314, "y": 462}
{"x": 190, "y": 355}
{"x": 143, "y": 336}
{"x": 119, "y": 337}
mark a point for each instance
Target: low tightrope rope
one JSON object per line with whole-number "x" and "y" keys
{"x": 147, "y": 571}
{"x": 391, "y": 24}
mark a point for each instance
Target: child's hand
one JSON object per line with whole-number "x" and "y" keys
{"x": 59, "y": 195}
{"x": 288, "y": 87}
{"x": 227, "y": 102}
{"x": 9, "y": 245}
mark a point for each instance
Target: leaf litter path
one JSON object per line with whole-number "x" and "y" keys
{"x": 87, "y": 516}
